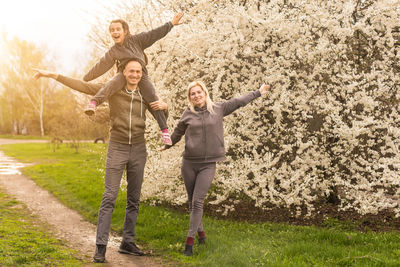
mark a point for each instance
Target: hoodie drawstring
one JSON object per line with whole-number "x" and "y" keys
{"x": 141, "y": 104}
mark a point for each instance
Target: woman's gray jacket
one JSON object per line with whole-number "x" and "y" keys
{"x": 204, "y": 132}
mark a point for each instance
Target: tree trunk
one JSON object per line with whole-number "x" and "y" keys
{"x": 41, "y": 112}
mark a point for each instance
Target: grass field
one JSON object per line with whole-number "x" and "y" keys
{"x": 11, "y": 136}
{"x": 25, "y": 242}
{"x": 77, "y": 180}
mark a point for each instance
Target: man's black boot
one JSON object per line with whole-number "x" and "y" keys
{"x": 100, "y": 255}
{"x": 130, "y": 248}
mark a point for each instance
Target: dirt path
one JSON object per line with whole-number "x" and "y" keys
{"x": 66, "y": 224}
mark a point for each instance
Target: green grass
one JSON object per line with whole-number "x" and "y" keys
{"x": 24, "y": 242}
{"x": 12, "y": 136}
{"x": 77, "y": 180}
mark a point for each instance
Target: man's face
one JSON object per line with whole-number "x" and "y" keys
{"x": 133, "y": 72}
{"x": 117, "y": 32}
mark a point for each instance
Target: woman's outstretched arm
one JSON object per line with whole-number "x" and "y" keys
{"x": 232, "y": 104}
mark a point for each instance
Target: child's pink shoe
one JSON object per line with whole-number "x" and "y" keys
{"x": 166, "y": 139}
{"x": 90, "y": 109}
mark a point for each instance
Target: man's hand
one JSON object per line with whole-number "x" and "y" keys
{"x": 44, "y": 73}
{"x": 158, "y": 105}
{"x": 264, "y": 88}
{"x": 176, "y": 20}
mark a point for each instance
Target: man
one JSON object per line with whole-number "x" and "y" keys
{"x": 127, "y": 149}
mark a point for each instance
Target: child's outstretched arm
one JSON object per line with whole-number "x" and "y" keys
{"x": 101, "y": 67}
{"x": 147, "y": 39}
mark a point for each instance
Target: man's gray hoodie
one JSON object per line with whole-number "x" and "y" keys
{"x": 127, "y": 111}
{"x": 204, "y": 132}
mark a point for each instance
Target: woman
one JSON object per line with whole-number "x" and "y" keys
{"x": 202, "y": 125}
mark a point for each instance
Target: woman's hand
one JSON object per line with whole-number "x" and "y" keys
{"x": 264, "y": 88}
{"x": 158, "y": 105}
{"x": 44, "y": 73}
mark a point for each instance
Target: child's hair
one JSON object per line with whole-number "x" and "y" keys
{"x": 209, "y": 102}
{"x": 124, "y": 24}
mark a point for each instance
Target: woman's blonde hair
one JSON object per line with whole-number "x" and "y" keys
{"x": 209, "y": 102}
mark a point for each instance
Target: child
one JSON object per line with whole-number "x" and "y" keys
{"x": 128, "y": 46}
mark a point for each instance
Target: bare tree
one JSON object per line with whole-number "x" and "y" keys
{"x": 22, "y": 92}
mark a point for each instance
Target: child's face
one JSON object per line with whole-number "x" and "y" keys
{"x": 117, "y": 32}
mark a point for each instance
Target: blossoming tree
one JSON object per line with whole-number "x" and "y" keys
{"x": 330, "y": 127}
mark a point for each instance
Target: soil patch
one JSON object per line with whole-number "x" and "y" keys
{"x": 326, "y": 215}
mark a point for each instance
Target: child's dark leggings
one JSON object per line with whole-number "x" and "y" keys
{"x": 147, "y": 90}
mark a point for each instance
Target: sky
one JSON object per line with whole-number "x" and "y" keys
{"x": 61, "y": 25}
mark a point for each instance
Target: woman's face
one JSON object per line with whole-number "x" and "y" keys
{"x": 197, "y": 96}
